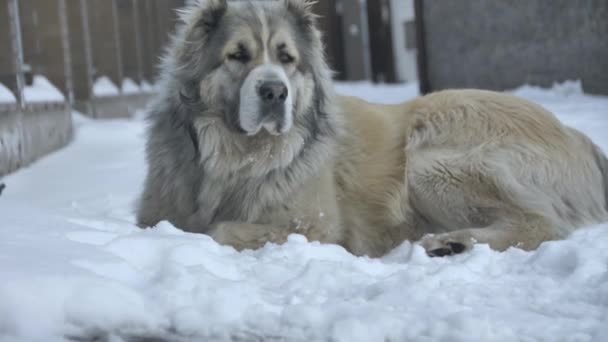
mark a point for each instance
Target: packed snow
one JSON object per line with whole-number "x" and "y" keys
{"x": 103, "y": 86}
{"x": 73, "y": 264}
{"x": 147, "y": 87}
{"x": 42, "y": 90}
{"x": 130, "y": 87}
{"x": 6, "y": 95}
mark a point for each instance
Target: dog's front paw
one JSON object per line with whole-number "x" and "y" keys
{"x": 243, "y": 236}
{"x": 440, "y": 245}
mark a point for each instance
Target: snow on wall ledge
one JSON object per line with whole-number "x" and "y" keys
{"x": 42, "y": 90}
{"x": 104, "y": 86}
{"x": 6, "y": 96}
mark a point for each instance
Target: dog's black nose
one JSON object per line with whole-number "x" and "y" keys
{"x": 274, "y": 92}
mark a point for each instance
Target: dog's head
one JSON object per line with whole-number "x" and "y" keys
{"x": 256, "y": 62}
{"x": 258, "y": 70}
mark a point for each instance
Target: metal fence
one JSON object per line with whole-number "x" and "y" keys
{"x": 74, "y": 42}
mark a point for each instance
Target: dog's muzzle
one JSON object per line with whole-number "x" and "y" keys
{"x": 266, "y": 101}
{"x": 272, "y": 105}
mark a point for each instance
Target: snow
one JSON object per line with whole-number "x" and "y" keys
{"x": 42, "y": 90}
{"x": 387, "y": 93}
{"x": 104, "y": 86}
{"x": 6, "y": 96}
{"x": 130, "y": 87}
{"x": 73, "y": 264}
{"x": 147, "y": 87}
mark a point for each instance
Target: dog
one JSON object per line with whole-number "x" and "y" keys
{"x": 248, "y": 143}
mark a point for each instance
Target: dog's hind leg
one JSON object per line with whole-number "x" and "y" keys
{"x": 474, "y": 197}
{"x": 525, "y": 231}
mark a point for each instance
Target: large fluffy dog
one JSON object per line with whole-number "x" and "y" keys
{"x": 249, "y": 144}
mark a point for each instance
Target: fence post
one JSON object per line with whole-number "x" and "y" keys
{"x": 128, "y": 23}
{"x": 67, "y": 55}
{"x": 17, "y": 44}
{"x": 138, "y": 41}
{"x": 119, "y": 60}
{"x": 423, "y": 76}
{"x": 104, "y": 46}
{"x": 88, "y": 55}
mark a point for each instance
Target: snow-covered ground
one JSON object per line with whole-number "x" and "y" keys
{"x": 72, "y": 264}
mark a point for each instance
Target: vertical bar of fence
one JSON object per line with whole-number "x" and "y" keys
{"x": 116, "y": 25}
{"x": 17, "y": 45}
{"x": 88, "y": 53}
{"x": 152, "y": 39}
{"x": 367, "y": 59}
{"x": 138, "y": 41}
{"x": 67, "y": 55}
{"x": 423, "y": 76}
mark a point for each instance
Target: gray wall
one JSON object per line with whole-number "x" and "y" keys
{"x": 503, "y": 44}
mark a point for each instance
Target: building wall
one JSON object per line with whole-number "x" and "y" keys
{"x": 503, "y": 44}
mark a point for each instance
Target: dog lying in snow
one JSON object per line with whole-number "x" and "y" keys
{"x": 248, "y": 143}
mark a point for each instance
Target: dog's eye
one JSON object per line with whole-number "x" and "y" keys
{"x": 285, "y": 58}
{"x": 241, "y": 56}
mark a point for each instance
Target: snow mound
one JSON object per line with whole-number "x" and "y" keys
{"x": 6, "y": 95}
{"x": 42, "y": 90}
{"x": 130, "y": 87}
{"x": 147, "y": 87}
{"x": 104, "y": 86}
{"x": 570, "y": 88}
{"x": 73, "y": 264}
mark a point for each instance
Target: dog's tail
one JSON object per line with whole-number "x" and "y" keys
{"x": 602, "y": 163}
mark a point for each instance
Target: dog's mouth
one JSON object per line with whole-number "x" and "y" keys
{"x": 271, "y": 125}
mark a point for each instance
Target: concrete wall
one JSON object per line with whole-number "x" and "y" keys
{"x": 116, "y": 106}
{"x": 503, "y": 44}
{"x": 27, "y": 136}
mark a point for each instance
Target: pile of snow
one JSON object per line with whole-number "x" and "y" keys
{"x": 42, "y": 90}
{"x": 104, "y": 86}
{"x": 6, "y": 95}
{"x": 147, "y": 87}
{"x": 72, "y": 263}
{"x": 130, "y": 87}
{"x": 558, "y": 90}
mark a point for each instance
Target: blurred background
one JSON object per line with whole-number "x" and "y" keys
{"x": 99, "y": 57}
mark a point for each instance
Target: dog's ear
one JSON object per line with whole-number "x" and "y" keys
{"x": 213, "y": 11}
{"x": 203, "y": 15}
{"x": 302, "y": 11}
